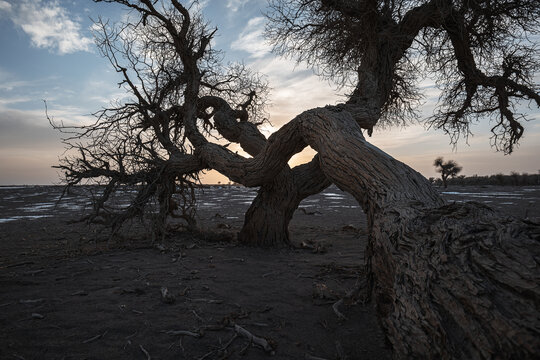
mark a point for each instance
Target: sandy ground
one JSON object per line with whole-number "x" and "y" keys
{"x": 65, "y": 294}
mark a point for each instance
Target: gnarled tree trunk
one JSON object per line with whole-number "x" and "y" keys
{"x": 267, "y": 219}
{"x": 266, "y": 222}
{"x": 450, "y": 281}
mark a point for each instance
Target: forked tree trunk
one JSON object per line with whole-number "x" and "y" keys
{"x": 450, "y": 281}
{"x": 267, "y": 219}
{"x": 266, "y": 222}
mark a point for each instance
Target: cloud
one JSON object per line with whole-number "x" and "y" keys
{"x": 5, "y": 6}
{"x": 49, "y": 25}
{"x": 294, "y": 88}
{"x": 29, "y": 146}
{"x": 251, "y": 39}
{"x": 235, "y": 5}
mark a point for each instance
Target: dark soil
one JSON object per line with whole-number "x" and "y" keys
{"x": 66, "y": 292}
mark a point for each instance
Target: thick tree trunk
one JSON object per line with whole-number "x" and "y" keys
{"x": 267, "y": 219}
{"x": 450, "y": 281}
{"x": 457, "y": 281}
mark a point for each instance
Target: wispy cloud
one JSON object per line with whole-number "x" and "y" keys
{"x": 5, "y": 6}
{"x": 236, "y": 5}
{"x": 294, "y": 88}
{"x": 48, "y": 24}
{"x": 251, "y": 39}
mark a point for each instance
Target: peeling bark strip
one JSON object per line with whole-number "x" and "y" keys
{"x": 450, "y": 281}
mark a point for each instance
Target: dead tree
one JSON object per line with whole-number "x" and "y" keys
{"x": 448, "y": 169}
{"x": 449, "y": 281}
{"x": 172, "y": 74}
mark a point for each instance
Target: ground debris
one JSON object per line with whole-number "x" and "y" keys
{"x": 349, "y": 227}
{"x": 148, "y": 357}
{"x": 335, "y": 307}
{"x": 183, "y": 333}
{"x": 321, "y": 291}
{"x": 311, "y": 357}
{"x": 94, "y": 338}
{"x": 263, "y": 343}
{"x": 79, "y": 293}
{"x": 316, "y": 247}
{"x": 166, "y": 296}
{"x": 31, "y": 301}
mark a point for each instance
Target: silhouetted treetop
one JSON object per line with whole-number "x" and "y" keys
{"x": 448, "y": 169}
{"x": 483, "y": 55}
{"x": 174, "y": 82}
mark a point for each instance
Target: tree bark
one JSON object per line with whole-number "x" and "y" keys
{"x": 267, "y": 219}
{"x": 450, "y": 281}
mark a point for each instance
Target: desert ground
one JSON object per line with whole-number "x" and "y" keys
{"x": 66, "y": 292}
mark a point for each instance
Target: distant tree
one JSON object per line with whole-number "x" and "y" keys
{"x": 447, "y": 169}
{"x": 515, "y": 178}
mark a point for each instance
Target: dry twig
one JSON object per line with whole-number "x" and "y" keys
{"x": 183, "y": 333}
{"x": 148, "y": 357}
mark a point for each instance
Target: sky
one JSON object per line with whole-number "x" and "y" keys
{"x": 48, "y": 53}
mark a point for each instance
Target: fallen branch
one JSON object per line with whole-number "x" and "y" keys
{"x": 79, "y": 293}
{"x": 208, "y": 301}
{"x": 31, "y": 301}
{"x": 197, "y": 316}
{"x": 335, "y": 307}
{"x": 271, "y": 273}
{"x": 182, "y": 332}
{"x": 254, "y": 339}
{"x": 311, "y": 357}
{"x": 94, "y": 338}
{"x": 235, "y": 336}
{"x": 148, "y": 357}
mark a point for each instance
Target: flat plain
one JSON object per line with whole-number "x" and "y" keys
{"x": 68, "y": 292}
